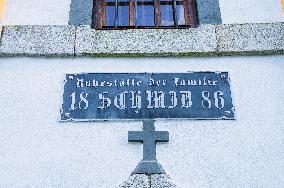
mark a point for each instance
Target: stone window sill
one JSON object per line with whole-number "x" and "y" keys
{"x": 205, "y": 40}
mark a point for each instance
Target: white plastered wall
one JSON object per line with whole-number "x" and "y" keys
{"x": 38, "y": 151}
{"x": 251, "y": 11}
{"x": 36, "y": 12}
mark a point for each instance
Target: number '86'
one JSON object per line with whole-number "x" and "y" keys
{"x": 218, "y": 100}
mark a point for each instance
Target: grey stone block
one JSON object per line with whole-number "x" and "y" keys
{"x": 38, "y": 41}
{"x": 136, "y": 181}
{"x": 162, "y": 181}
{"x": 147, "y": 181}
{"x": 235, "y": 39}
{"x": 208, "y": 12}
{"x": 251, "y": 38}
{"x": 80, "y": 12}
{"x": 142, "y": 42}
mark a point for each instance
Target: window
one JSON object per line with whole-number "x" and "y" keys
{"x": 144, "y": 14}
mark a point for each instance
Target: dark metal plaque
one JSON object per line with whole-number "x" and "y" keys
{"x": 113, "y": 96}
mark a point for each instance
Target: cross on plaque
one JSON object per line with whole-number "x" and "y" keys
{"x": 149, "y": 137}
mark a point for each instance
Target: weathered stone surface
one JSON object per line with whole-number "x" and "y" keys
{"x": 147, "y": 181}
{"x": 136, "y": 181}
{"x": 162, "y": 181}
{"x": 142, "y": 42}
{"x": 38, "y": 40}
{"x": 208, "y": 12}
{"x": 236, "y": 39}
{"x": 80, "y": 12}
{"x": 251, "y": 38}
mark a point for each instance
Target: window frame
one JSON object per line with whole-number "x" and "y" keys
{"x": 99, "y": 15}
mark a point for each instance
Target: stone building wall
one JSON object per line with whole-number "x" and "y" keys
{"x": 37, "y": 150}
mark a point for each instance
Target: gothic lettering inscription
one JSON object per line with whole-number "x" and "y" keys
{"x": 104, "y": 96}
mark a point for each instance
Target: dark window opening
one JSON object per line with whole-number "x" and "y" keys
{"x": 144, "y": 14}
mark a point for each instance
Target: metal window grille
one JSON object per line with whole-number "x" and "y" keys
{"x": 120, "y": 14}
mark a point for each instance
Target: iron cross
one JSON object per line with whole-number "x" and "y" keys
{"x": 149, "y": 137}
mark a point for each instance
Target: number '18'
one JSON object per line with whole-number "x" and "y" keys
{"x": 83, "y": 103}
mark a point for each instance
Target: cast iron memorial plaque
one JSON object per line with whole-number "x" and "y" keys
{"x": 139, "y": 96}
